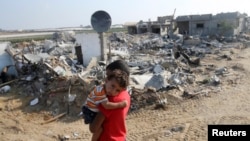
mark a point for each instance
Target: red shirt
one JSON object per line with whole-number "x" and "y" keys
{"x": 114, "y": 127}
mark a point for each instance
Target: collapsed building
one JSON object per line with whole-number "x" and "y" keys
{"x": 161, "y": 68}
{"x": 225, "y": 24}
{"x": 222, "y": 24}
{"x": 162, "y": 26}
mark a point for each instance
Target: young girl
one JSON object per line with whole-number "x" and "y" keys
{"x": 115, "y": 82}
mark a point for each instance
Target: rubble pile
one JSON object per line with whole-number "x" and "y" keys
{"x": 46, "y": 71}
{"x": 160, "y": 67}
{"x": 181, "y": 67}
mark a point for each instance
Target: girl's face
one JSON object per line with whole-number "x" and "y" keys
{"x": 112, "y": 87}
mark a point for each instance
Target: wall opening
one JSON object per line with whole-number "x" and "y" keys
{"x": 199, "y": 25}
{"x": 156, "y": 30}
{"x": 132, "y": 30}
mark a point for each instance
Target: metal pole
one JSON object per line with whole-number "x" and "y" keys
{"x": 101, "y": 34}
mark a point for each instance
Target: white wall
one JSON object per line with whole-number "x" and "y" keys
{"x": 91, "y": 46}
{"x": 5, "y": 59}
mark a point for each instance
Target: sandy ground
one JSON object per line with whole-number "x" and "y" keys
{"x": 182, "y": 120}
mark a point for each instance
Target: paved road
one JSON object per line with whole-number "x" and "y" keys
{"x": 24, "y": 34}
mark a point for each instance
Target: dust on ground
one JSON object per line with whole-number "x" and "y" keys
{"x": 181, "y": 119}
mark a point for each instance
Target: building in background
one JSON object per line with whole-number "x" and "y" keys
{"x": 223, "y": 24}
{"x": 162, "y": 26}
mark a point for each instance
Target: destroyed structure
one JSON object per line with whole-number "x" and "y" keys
{"x": 52, "y": 75}
{"x": 222, "y": 24}
{"x": 161, "y": 26}
{"x": 226, "y": 24}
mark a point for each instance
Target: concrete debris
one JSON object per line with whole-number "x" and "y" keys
{"x": 175, "y": 79}
{"x": 158, "y": 69}
{"x": 5, "y": 89}
{"x": 34, "y": 101}
{"x": 46, "y": 69}
{"x": 64, "y": 36}
{"x": 215, "y": 80}
{"x": 121, "y": 51}
{"x": 139, "y": 81}
{"x": 59, "y": 70}
{"x": 221, "y": 71}
{"x": 158, "y": 81}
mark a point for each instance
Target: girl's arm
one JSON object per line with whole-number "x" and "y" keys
{"x": 114, "y": 105}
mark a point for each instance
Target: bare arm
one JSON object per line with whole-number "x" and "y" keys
{"x": 114, "y": 105}
{"x": 97, "y": 123}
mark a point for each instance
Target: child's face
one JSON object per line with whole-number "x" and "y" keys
{"x": 108, "y": 72}
{"x": 112, "y": 87}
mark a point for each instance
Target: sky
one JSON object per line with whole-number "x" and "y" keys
{"x": 42, "y": 14}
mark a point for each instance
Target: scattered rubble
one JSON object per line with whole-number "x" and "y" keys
{"x": 5, "y": 89}
{"x": 49, "y": 72}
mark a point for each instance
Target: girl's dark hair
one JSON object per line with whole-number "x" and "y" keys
{"x": 119, "y": 64}
{"x": 120, "y": 76}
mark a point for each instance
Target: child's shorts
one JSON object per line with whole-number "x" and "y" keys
{"x": 88, "y": 115}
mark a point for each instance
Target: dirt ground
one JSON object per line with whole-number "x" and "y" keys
{"x": 181, "y": 120}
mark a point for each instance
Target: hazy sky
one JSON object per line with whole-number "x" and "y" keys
{"x": 38, "y": 14}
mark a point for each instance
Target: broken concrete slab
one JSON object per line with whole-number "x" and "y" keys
{"x": 158, "y": 81}
{"x": 139, "y": 81}
{"x": 35, "y": 58}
